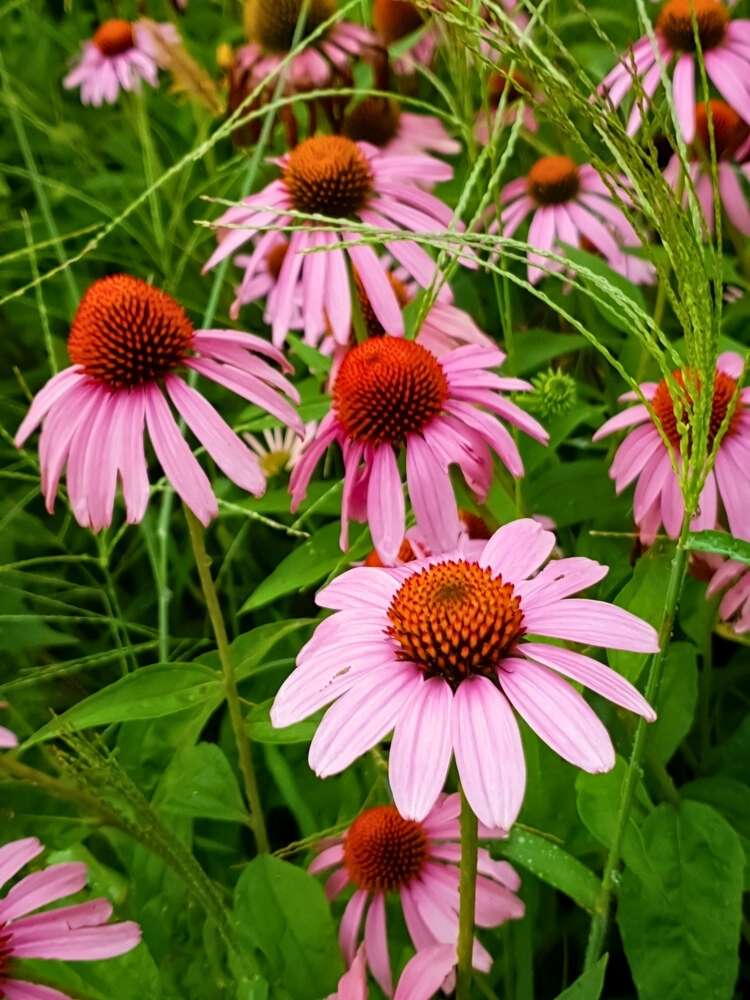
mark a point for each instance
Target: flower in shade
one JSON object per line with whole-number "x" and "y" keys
{"x": 643, "y": 457}
{"x": 395, "y": 20}
{"x": 7, "y": 738}
{"x": 381, "y": 122}
{"x": 280, "y": 450}
{"x": 724, "y": 42}
{"x": 71, "y": 933}
{"x": 732, "y": 143}
{"x": 436, "y": 651}
{"x": 128, "y": 344}
{"x": 734, "y": 578}
{"x": 569, "y": 204}
{"x": 518, "y": 92}
{"x": 383, "y": 854}
{"x": 337, "y": 177}
{"x": 120, "y": 55}
{"x": 393, "y": 395}
{"x": 271, "y": 28}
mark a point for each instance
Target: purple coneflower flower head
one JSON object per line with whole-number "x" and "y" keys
{"x": 520, "y": 91}
{"x": 381, "y": 122}
{"x": 569, "y": 204}
{"x": 395, "y": 20}
{"x": 732, "y": 143}
{"x": 70, "y": 933}
{"x": 382, "y": 855}
{"x": 120, "y": 55}
{"x": 129, "y": 342}
{"x": 643, "y": 456}
{"x": 725, "y": 44}
{"x": 337, "y": 177}
{"x": 734, "y": 578}
{"x": 435, "y": 652}
{"x": 393, "y": 395}
{"x": 8, "y": 739}
{"x": 271, "y": 27}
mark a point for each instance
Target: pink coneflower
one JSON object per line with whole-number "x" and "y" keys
{"x": 734, "y": 577}
{"x": 644, "y": 457}
{"x": 120, "y": 55}
{"x": 572, "y": 205}
{"x": 382, "y": 853}
{"x": 725, "y": 44}
{"x": 520, "y": 91}
{"x": 8, "y": 739}
{"x": 381, "y": 122}
{"x": 127, "y": 343}
{"x": 732, "y": 143}
{"x": 395, "y": 20}
{"x": 393, "y": 394}
{"x": 280, "y": 450}
{"x": 334, "y": 176}
{"x": 434, "y": 650}
{"x": 271, "y": 26}
{"x": 71, "y": 933}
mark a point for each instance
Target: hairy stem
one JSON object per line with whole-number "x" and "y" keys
{"x": 244, "y": 750}
{"x": 600, "y": 918}
{"x": 467, "y": 892}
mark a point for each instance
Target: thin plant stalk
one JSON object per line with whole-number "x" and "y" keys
{"x": 467, "y": 886}
{"x": 244, "y": 750}
{"x": 600, "y": 918}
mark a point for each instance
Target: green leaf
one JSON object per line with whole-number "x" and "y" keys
{"x": 721, "y": 543}
{"x": 588, "y": 986}
{"x": 282, "y": 912}
{"x": 200, "y": 782}
{"x": 731, "y": 798}
{"x": 250, "y": 650}
{"x": 261, "y": 730}
{"x": 311, "y": 358}
{"x": 305, "y": 566}
{"x": 681, "y": 927}
{"x": 572, "y": 492}
{"x": 148, "y": 693}
{"x": 552, "y": 865}
{"x": 643, "y": 594}
{"x": 614, "y": 315}
{"x": 678, "y": 696}
{"x": 534, "y": 348}
{"x": 598, "y": 801}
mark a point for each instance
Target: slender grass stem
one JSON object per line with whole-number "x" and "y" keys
{"x": 600, "y": 918}
{"x": 244, "y": 750}
{"x": 467, "y": 892}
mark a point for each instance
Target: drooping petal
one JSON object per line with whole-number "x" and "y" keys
{"x": 593, "y": 622}
{"x": 425, "y": 973}
{"x": 16, "y": 854}
{"x": 376, "y": 944}
{"x": 41, "y": 888}
{"x": 386, "y": 511}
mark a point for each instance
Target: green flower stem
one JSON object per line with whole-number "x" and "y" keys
{"x": 600, "y": 918}
{"x": 244, "y": 750}
{"x": 467, "y": 892}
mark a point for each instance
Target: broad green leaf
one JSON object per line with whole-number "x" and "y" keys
{"x": 572, "y": 492}
{"x": 147, "y": 693}
{"x": 588, "y": 986}
{"x": 643, "y": 595}
{"x": 730, "y": 798}
{"x": 598, "y": 801}
{"x": 553, "y": 865}
{"x": 681, "y": 927}
{"x": 132, "y": 976}
{"x": 305, "y": 566}
{"x": 200, "y": 782}
{"x": 282, "y": 912}
{"x": 261, "y": 730}
{"x": 250, "y": 650}
{"x": 678, "y": 696}
{"x": 721, "y": 544}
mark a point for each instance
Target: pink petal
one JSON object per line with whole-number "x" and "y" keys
{"x": 560, "y": 578}
{"x": 488, "y": 750}
{"x": 593, "y": 622}
{"x": 683, "y": 88}
{"x": 432, "y": 496}
{"x": 633, "y": 415}
{"x": 421, "y": 749}
{"x": 558, "y": 714}
{"x": 42, "y": 887}
{"x": 592, "y": 674}
{"x": 517, "y": 549}
{"x": 180, "y": 465}
{"x": 386, "y": 512}
{"x": 131, "y": 456}
{"x": 376, "y": 944}
{"x": 327, "y": 858}
{"x": 54, "y": 390}
{"x": 82, "y": 944}
{"x": 364, "y": 586}
{"x": 16, "y": 854}
{"x": 17, "y": 989}
{"x": 378, "y": 288}
{"x": 425, "y": 973}
{"x": 350, "y": 924}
